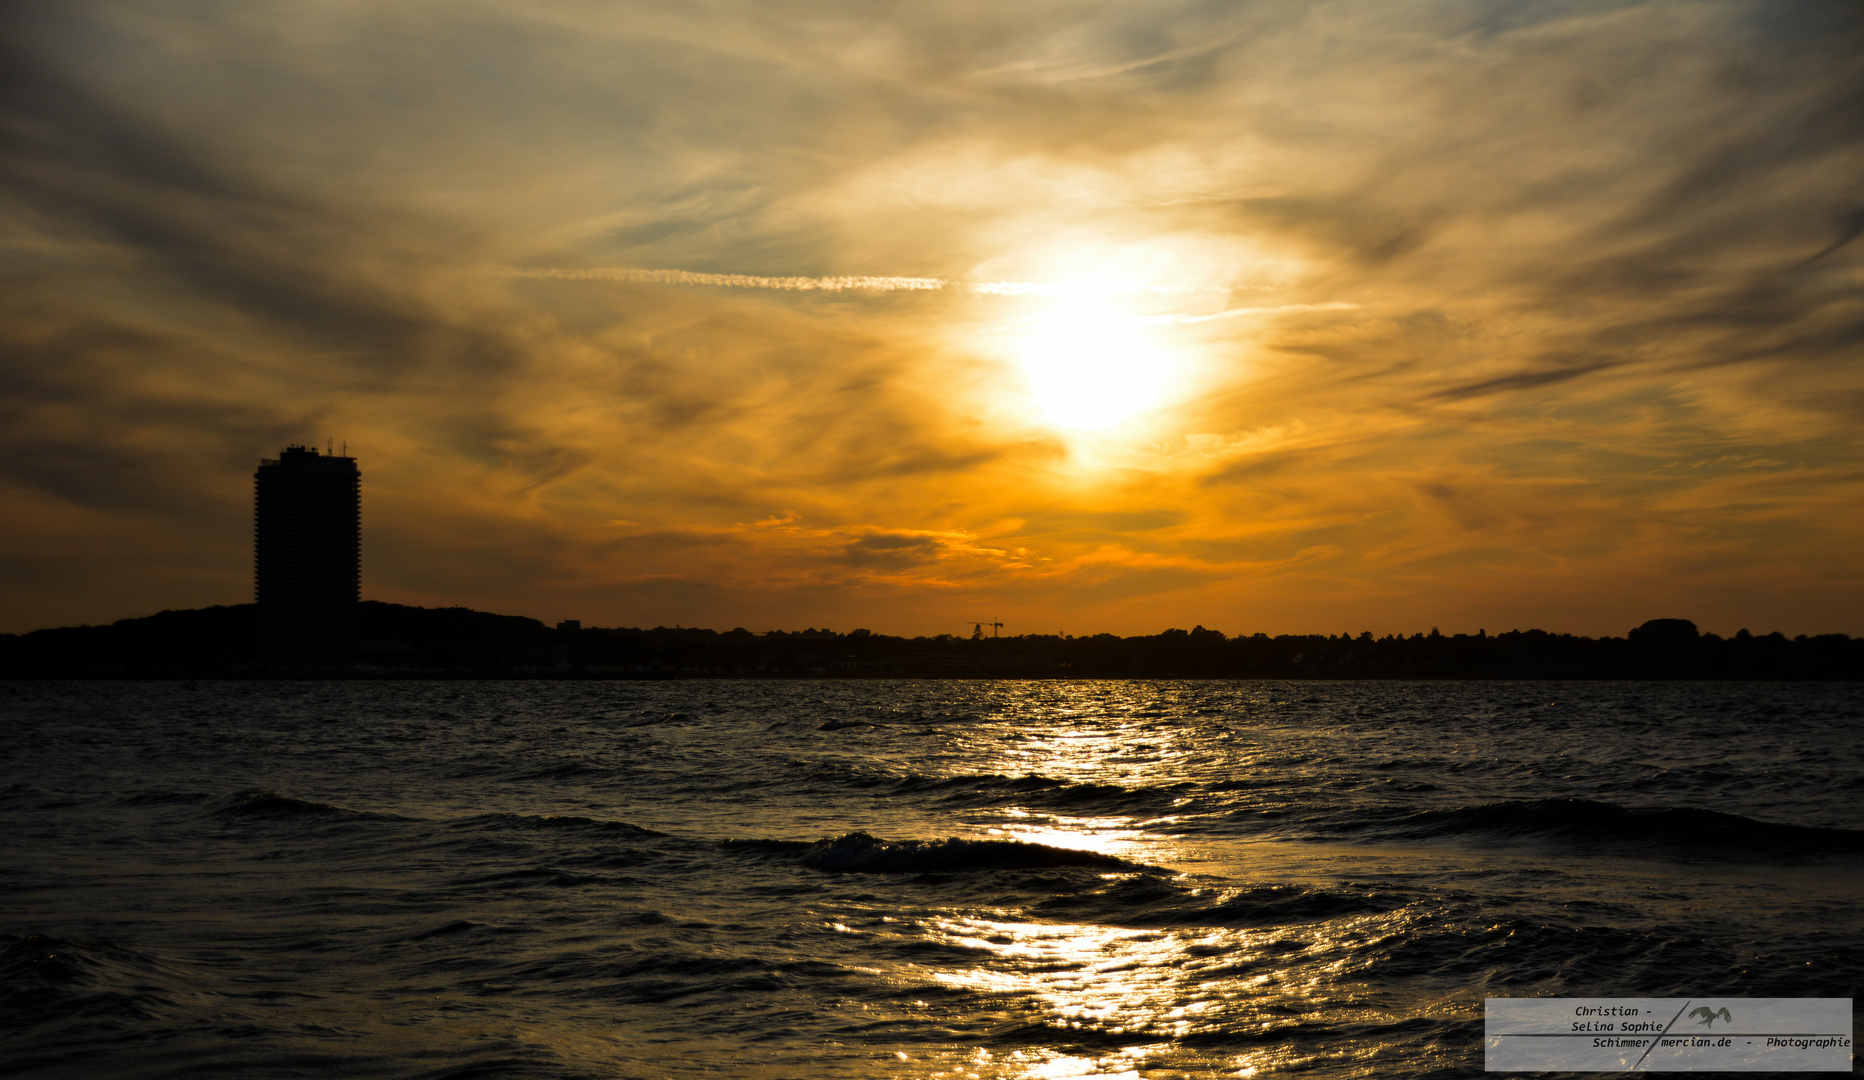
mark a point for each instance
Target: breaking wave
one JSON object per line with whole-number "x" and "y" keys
{"x": 1600, "y": 824}
{"x": 861, "y": 852}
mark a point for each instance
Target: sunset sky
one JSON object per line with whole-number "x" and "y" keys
{"x": 1283, "y": 317}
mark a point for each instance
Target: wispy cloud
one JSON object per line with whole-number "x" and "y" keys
{"x": 1234, "y": 313}
{"x": 1474, "y": 313}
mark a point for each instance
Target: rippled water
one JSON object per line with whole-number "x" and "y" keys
{"x": 914, "y": 879}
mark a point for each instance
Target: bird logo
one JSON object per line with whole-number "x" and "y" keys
{"x": 1708, "y": 1015}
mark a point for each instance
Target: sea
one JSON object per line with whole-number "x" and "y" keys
{"x": 964, "y": 879}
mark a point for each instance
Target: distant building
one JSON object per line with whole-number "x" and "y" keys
{"x": 307, "y": 551}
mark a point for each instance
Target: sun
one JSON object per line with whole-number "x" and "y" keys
{"x": 1087, "y": 365}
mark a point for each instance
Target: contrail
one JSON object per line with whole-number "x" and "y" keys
{"x": 733, "y": 281}
{"x": 864, "y": 283}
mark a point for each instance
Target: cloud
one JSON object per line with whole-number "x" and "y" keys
{"x": 1850, "y": 227}
{"x": 895, "y": 549}
{"x": 1478, "y": 311}
{"x": 1525, "y": 380}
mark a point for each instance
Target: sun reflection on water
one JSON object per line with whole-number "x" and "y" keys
{"x": 1083, "y": 986}
{"x": 1095, "y": 983}
{"x": 1104, "y": 836}
{"x": 1081, "y": 748}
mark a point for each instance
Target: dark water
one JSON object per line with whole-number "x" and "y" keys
{"x": 844, "y": 879}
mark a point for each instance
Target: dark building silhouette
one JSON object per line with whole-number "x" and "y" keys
{"x": 307, "y": 552}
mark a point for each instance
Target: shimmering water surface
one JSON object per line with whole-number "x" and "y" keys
{"x": 913, "y": 879}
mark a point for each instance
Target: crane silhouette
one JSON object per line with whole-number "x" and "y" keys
{"x": 977, "y": 631}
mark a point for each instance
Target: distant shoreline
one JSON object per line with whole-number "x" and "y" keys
{"x": 401, "y": 642}
{"x": 364, "y": 677}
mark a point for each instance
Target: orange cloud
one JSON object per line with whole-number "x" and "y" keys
{"x": 1109, "y": 318}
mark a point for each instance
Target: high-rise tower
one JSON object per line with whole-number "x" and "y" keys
{"x": 307, "y": 551}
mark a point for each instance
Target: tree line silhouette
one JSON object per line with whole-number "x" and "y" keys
{"x": 402, "y": 641}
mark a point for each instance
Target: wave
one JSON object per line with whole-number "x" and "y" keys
{"x": 566, "y": 822}
{"x": 1612, "y": 958}
{"x": 260, "y": 801}
{"x": 163, "y": 798}
{"x": 1032, "y": 791}
{"x": 1275, "y": 905}
{"x": 776, "y": 847}
{"x": 1042, "y": 792}
{"x": 50, "y": 979}
{"x": 452, "y": 929}
{"x": 1605, "y": 826}
{"x": 1150, "y": 901}
{"x": 901, "y": 716}
{"x": 558, "y": 770}
{"x": 552, "y": 876}
{"x": 265, "y": 803}
{"x": 654, "y": 718}
{"x": 17, "y": 788}
{"x": 918, "y": 782}
{"x": 861, "y": 852}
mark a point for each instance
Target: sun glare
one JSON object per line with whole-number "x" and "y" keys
{"x": 1088, "y": 366}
